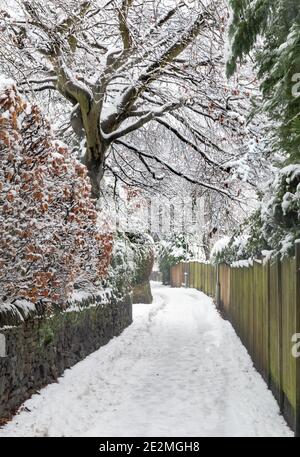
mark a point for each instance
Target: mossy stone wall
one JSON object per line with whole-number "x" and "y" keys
{"x": 41, "y": 348}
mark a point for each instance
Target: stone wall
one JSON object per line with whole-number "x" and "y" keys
{"x": 141, "y": 293}
{"x": 41, "y": 348}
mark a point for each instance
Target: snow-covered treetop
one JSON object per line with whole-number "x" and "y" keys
{"x": 128, "y": 67}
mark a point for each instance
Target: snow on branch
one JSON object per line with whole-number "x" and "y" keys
{"x": 154, "y": 70}
{"x": 185, "y": 140}
{"x": 174, "y": 171}
{"x": 143, "y": 119}
{"x": 123, "y": 24}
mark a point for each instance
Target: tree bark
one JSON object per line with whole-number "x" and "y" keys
{"x": 88, "y": 125}
{"x": 94, "y": 160}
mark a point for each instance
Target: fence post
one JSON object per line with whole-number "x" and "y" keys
{"x": 218, "y": 286}
{"x": 297, "y": 412}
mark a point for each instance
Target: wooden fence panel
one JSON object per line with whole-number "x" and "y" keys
{"x": 232, "y": 295}
{"x": 244, "y": 305}
{"x": 234, "y": 300}
{"x": 297, "y": 295}
{"x": 288, "y": 269}
{"x": 241, "y": 304}
{"x": 258, "y": 315}
{"x": 205, "y": 275}
{"x": 197, "y": 273}
{"x": 186, "y": 274}
{"x": 198, "y": 276}
{"x": 208, "y": 269}
{"x": 241, "y": 311}
{"x": 260, "y": 321}
{"x": 224, "y": 281}
{"x": 207, "y": 279}
{"x": 213, "y": 279}
{"x": 174, "y": 284}
{"x": 275, "y": 331}
{"x": 177, "y": 275}
{"x": 235, "y": 291}
{"x": 192, "y": 275}
{"x": 249, "y": 274}
{"x": 201, "y": 274}
{"x": 266, "y": 325}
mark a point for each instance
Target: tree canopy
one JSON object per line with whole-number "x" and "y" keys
{"x": 118, "y": 67}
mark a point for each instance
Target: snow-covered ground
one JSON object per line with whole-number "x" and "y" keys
{"x": 178, "y": 370}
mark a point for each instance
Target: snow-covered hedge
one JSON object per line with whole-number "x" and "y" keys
{"x": 143, "y": 256}
{"x": 273, "y": 229}
{"x": 171, "y": 251}
{"x": 51, "y": 236}
{"x": 132, "y": 261}
{"x": 230, "y": 249}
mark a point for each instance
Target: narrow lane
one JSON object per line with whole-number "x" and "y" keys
{"x": 178, "y": 370}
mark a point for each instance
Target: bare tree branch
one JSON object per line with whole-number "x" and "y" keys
{"x": 174, "y": 171}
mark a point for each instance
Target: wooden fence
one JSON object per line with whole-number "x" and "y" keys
{"x": 262, "y": 302}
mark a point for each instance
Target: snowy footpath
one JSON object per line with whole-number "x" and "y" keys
{"x": 178, "y": 370}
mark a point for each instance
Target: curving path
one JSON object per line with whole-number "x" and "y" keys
{"x": 178, "y": 370}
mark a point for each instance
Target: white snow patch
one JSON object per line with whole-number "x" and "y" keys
{"x": 219, "y": 246}
{"x": 178, "y": 370}
{"x": 5, "y": 83}
{"x": 26, "y": 306}
{"x": 242, "y": 263}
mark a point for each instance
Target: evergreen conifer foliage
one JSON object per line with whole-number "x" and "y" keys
{"x": 271, "y": 29}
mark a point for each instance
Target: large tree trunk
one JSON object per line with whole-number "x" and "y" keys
{"x": 94, "y": 161}
{"x": 88, "y": 125}
{"x": 95, "y": 148}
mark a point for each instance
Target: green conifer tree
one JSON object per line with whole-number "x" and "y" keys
{"x": 269, "y": 30}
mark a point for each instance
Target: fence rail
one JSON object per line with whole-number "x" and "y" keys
{"x": 262, "y": 301}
